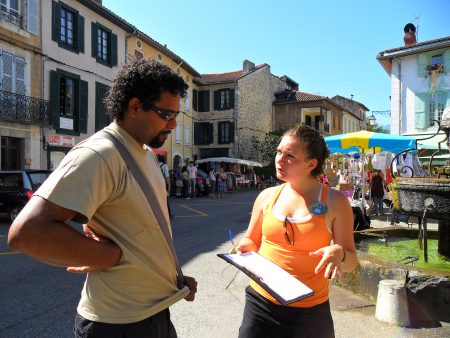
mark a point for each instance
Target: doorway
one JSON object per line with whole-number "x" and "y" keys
{"x": 12, "y": 157}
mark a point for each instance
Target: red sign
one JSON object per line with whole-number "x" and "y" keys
{"x": 61, "y": 140}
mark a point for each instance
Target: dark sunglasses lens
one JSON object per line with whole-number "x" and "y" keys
{"x": 288, "y": 228}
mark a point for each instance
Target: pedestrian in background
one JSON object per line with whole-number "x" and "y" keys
{"x": 212, "y": 181}
{"x": 165, "y": 172}
{"x": 221, "y": 183}
{"x": 377, "y": 192}
{"x": 131, "y": 272}
{"x": 186, "y": 187}
{"x": 178, "y": 180}
{"x": 192, "y": 170}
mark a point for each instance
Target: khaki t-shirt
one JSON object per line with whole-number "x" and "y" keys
{"x": 94, "y": 181}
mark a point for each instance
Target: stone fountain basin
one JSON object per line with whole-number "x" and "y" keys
{"x": 413, "y": 191}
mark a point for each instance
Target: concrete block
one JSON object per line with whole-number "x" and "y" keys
{"x": 392, "y": 303}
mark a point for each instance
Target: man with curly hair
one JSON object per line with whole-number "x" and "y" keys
{"x": 131, "y": 273}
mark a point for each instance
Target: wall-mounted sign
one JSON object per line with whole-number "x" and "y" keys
{"x": 61, "y": 140}
{"x": 65, "y": 123}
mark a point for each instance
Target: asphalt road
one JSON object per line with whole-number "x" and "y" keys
{"x": 39, "y": 301}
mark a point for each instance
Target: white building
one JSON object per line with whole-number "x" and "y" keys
{"x": 420, "y": 84}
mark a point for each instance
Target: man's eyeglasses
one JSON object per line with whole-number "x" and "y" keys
{"x": 288, "y": 231}
{"x": 167, "y": 115}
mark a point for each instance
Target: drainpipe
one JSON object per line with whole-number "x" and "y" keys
{"x": 400, "y": 97}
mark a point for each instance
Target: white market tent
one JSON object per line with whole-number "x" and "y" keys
{"x": 229, "y": 160}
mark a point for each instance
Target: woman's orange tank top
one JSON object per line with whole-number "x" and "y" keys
{"x": 309, "y": 236}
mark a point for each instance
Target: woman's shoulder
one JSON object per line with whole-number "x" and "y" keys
{"x": 337, "y": 199}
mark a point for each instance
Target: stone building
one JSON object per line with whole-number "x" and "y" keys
{"x": 353, "y": 114}
{"x": 233, "y": 109}
{"x": 293, "y": 107}
{"x": 23, "y": 113}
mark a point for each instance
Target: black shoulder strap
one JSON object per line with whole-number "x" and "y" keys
{"x": 151, "y": 198}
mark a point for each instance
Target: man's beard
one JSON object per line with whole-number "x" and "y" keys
{"x": 158, "y": 142}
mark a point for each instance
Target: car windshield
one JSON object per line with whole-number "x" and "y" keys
{"x": 38, "y": 178}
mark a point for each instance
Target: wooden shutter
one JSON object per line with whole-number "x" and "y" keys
{"x": 231, "y": 129}
{"x": 56, "y": 21}
{"x": 83, "y": 107}
{"x": 54, "y": 98}
{"x": 194, "y": 99}
{"x": 205, "y": 101}
{"x": 421, "y": 111}
{"x": 210, "y": 133}
{"x": 80, "y": 34}
{"x": 113, "y": 61}
{"x": 32, "y": 16}
{"x": 94, "y": 38}
{"x": 19, "y": 70}
{"x": 7, "y": 72}
{"x": 422, "y": 63}
{"x": 197, "y": 136}
{"x": 217, "y": 100}
{"x": 231, "y": 98}
{"x": 220, "y": 133}
{"x": 101, "y": 117}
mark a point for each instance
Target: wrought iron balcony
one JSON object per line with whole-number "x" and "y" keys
{"x": 11, "y": 16}
{"x": 23, "y": 109}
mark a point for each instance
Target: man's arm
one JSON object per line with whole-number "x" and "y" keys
{"x": 40, "y": 231}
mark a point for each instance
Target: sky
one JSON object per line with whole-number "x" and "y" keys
{"x": 329, "y": 47}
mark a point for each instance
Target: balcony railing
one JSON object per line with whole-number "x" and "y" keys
{"x": 11, "y": 16}
{"x": 23, "y": 109}
{"x": 321, "y": 126}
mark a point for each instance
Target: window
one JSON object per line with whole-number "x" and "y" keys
{"x": 68, "y": 27}
{"x": 187, "y": 102}
{"x": 437, "y": 59}
{"x": 101, "y": 118}
{"x": 104, "y": 45}
{"x": 178, "y": 134}
{"x": 203, "y": 100}
{"x": 224, "y": 99}
{"x": 11, "y": 6}
{"x": 12, "y": 74}
{"x": 187, "y": 136}
{"x": 138, "y": 54}
{"x": 159, "y": 57}
{"x": 203, "y": 133}
{"x": 436, "y": 106}
{"x": 226, "y": 132}
{"x": 68, "y": 102}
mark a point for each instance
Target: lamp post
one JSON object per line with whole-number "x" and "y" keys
{"x": 372, "y": 120}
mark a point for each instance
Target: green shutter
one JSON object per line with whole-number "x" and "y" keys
{"x": 83, "y": 107}
{"x": 94, "y": 29}
{"x": 196, "y": 133}
{"x": 231, "y": 98}
{"x": 54, "y": 98}
{"x": 56, "y": 21}
{"x": 231, "y": 132}
{"x": 422, "y": 62}
{"x": 217, "y": 100}
{"x": 101, "y": 117}
{"x": 421, "y": 111}
{"x": 447, "y": 104}
{"x": 206, "y": 101}
{"x": 447, "y": 62}
{"x": 113, "y": 50}
{"x": 210, "y": 133}
{"x": 194, "y": 99}
{"x": 80, "y": 46}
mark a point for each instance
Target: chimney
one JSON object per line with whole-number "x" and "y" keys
{"x": 248, "y": 66}
{"x": 410, "y": 34}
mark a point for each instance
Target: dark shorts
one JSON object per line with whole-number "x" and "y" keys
{"x": 156, "y": 326}
{"x": 262, "y": 318}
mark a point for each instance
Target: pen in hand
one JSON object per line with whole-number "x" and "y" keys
{"x": 233, "y": 249}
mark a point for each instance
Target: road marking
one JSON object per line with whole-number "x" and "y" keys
{"x": 194, "y": 210}
{"x": 9, "y": 253}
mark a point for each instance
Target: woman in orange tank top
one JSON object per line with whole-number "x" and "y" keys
{"x": 293, "y": 226}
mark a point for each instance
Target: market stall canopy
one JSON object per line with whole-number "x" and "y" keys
{"x": 159, "y": 152}
{"x": 368, "y": 141}
{"x": 229, "y": 160}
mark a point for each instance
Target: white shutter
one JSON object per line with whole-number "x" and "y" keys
{"x": 19, "y": 75}
{"x": 178, "y": 134}
{"x": 187, "y": 136}
{"x": 32, "y": 16}
{"x": 7, "y": 72}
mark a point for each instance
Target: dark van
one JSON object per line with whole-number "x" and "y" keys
{"x": 17, "y": 187}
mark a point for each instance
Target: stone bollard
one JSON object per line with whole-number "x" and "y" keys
{"x": 392, "y": 303}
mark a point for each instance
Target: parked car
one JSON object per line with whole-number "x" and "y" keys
{"x": 203, "y": 185}
{"x": 17, "y": 187}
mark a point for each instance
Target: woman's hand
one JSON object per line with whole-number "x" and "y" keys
{"x": 246, "y": 245}
{"x": 331, "y": 261}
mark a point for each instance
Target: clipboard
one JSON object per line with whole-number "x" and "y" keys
{"x": 279, "y": 283}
